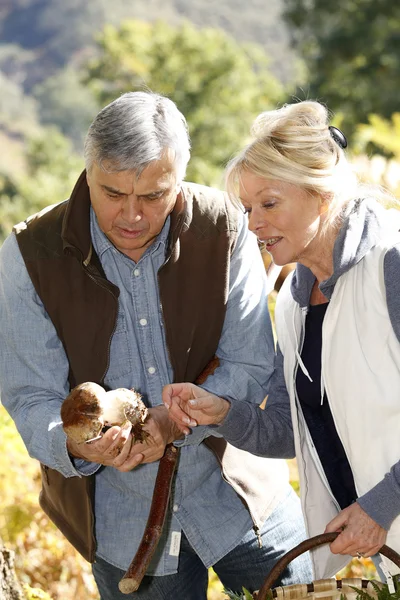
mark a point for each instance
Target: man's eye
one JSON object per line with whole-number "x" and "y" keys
{"x": 154, "y": 196}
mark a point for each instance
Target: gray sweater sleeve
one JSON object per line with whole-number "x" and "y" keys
{"x": 382, "y": 502}
{"x": 265, "y": 432}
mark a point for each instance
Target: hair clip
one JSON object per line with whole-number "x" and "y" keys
{"x": 338, "y": 136}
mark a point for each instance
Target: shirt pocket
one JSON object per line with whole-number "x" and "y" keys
{"x": 120, "y": 363}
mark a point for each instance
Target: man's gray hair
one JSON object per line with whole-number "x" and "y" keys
{"x": 135, "y": 130}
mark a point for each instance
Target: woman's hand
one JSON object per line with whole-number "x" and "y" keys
{"x": 360, "y": 535}
{"x": 190, "y": 405}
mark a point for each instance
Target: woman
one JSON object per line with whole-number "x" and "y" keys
{"x": 334, "y": 399}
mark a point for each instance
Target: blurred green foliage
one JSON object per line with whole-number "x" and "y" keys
{"x": 351, "y": 49}
{"x": 218, "y": 84}
{"x": 52, "y": 168}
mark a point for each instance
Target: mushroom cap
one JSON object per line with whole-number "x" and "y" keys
{"x": 88, "y": 408}
{"x": 82, "y": 412}
{"x": 124, "y": 405}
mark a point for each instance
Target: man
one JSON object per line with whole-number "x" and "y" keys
{"x": 138, "y": 280}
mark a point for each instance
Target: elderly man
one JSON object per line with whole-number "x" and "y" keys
{"x": 138, "y": 280}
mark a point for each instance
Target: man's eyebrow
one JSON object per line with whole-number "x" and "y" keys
{"x": 112, "y": 190}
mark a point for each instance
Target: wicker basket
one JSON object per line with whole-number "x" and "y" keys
{"x": 324, "y": 589}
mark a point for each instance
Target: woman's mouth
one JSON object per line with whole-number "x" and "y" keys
{"x": 271, "y": 242}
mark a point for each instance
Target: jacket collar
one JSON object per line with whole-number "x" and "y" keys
{"x": 364, "y": 223}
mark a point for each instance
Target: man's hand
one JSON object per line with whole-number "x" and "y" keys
{"x": 359, "y": 533}
{"x": 117, "y": 448}
{"x": 190, "y": 405}
{"x": 161, "y": 430}
{"x": 111, "y": 449}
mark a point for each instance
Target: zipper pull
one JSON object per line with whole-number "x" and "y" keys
{"x": 258, "y": 536}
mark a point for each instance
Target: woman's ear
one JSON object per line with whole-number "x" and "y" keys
{"x": 325, "y": 200}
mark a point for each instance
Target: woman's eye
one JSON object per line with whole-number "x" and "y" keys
{"x": 246, "y": 211}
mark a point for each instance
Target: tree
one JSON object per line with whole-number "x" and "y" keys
{"x": 53, "y": 168}
{"x": 352, "y": 50}
{"x": 9, "y": 586}
{"x": 64, "y": 101}
{"x": 218, "y": 84}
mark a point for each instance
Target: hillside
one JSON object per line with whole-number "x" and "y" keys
{"x": 40, "y": 36}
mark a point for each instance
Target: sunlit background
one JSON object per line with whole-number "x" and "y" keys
{"x": 222, "y": 63}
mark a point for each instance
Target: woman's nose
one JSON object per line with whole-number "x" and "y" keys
{"x": 253, "y": 220}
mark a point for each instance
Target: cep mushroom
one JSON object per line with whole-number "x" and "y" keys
{"x": 88, "y": 408}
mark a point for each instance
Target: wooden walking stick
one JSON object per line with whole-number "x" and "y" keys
{"x": 155, "y": 522}
{"x": 158, "y": 510}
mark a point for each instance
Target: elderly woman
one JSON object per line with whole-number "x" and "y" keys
{"x": 334, "y": 399}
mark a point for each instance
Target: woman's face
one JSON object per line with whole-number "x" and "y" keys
{"x": 283, "y": 216}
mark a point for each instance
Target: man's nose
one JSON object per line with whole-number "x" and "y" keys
{"x": 131, "y": 210}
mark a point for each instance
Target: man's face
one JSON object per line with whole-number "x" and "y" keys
{"x": 132, "y": 212}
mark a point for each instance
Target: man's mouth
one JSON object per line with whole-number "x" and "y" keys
{"x": 131, "y": 233}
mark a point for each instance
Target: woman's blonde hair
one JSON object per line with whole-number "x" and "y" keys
{"x": 294, "y": 144}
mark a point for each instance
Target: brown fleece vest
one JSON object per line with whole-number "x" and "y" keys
{"x": 83, "y": 305}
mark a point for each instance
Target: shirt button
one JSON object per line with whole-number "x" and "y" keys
{"x": 136, "y": 272}
{"x": 143, "y": 321}
{"x": 151, "y": 370}
{"x": 175, "y": 508}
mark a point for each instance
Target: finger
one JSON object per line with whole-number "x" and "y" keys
{"x": 181, "y": 390}
{"x": 124, "y": 454}
{"x": 337, "y": 524}
{"x": 181, "y": 417}
{"x": 344, "y": 544}
{"x": 152, "y": 455}
{"x": 116, "y": 444}
{"x": 108, "y": 438}
{"x": 131, "y": 463}
{"x": 166, "y": 396}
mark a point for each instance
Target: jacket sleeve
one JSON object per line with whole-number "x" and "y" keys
{"x": 382, "y": 502}
{"x": 33, "y": 366}
{"x": 265, "y": 432}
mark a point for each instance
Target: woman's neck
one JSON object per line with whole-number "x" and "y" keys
{"x": 319, "y": 258}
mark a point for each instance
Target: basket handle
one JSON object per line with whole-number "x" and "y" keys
{"x": 314, "y": 542}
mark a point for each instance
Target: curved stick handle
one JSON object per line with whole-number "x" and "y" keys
{"x": 314, "y": 542}
{"x": 155, "y": 522}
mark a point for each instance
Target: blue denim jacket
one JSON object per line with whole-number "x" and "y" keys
{"x": 34, "y": 382}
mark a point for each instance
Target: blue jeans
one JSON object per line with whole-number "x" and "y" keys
{"x": 246, "y": 565}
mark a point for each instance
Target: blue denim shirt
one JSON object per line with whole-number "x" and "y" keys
{"x": 33, "y": 384}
